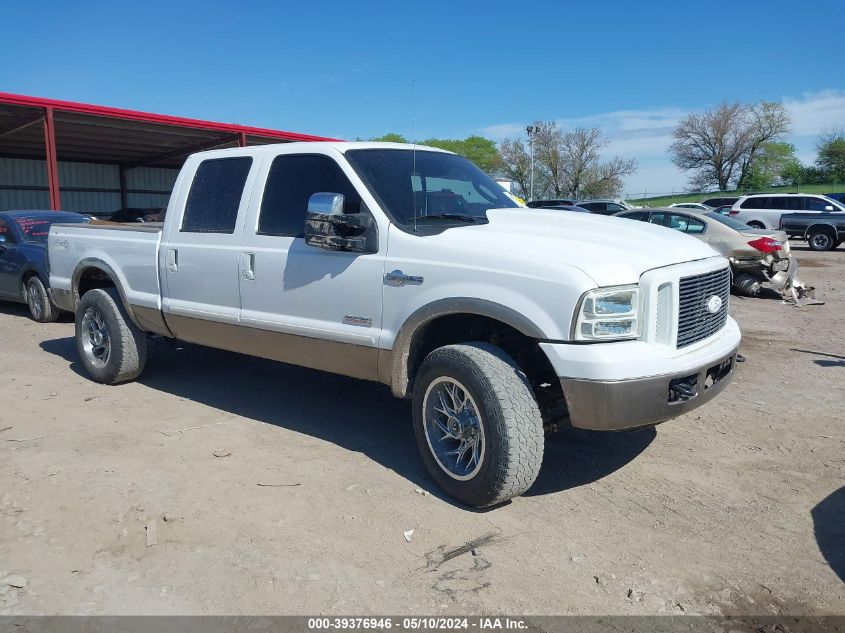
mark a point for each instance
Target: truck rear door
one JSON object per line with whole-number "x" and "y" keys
{"x": 199, "y": 259}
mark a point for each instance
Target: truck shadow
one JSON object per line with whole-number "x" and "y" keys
{"x": 829, "y": 527}
{"x": 357, "y": 415}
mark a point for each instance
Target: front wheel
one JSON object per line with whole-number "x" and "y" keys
{"x": 112, "y": 348}
{"x": 38, "y": 301}
{"x": 477, "y": 423}
{"x": 820, "y": 240}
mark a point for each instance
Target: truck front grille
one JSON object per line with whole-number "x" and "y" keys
{"x": 695, "y": 321}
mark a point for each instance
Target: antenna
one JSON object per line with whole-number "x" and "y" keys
{"x": 414, "y": 146}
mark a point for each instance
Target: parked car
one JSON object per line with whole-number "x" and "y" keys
{"x": 823, "y": 231}
{"x": 720, "y": 201}
{"x": 757, "y": 256}
{"x": 149, "y": 214}
{"x": 725, "y": 209}
{"x": 550, "y": 204}
{"x": 410, "y": 266}
{"x": 603, "y": 206}
{"x": 839, "y": 197}
{"x": 23, "y": 258}
{"x": 690, "y": 205}
{"x": 565, "y": 207}
{"x": 763, "y": 211}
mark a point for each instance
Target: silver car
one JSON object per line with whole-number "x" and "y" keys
{"x": 757, "y": 256}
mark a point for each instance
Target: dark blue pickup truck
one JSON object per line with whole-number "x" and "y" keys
{"x": 823, "y": 231}
{"x": 23, "y": 258}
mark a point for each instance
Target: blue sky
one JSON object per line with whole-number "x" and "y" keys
{"x": 345, "y": 69}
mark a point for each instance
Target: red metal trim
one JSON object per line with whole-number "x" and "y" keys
{"x": 149, "y": 117}
{"x": 52, "y": 161}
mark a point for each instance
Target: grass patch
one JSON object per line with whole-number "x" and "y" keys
{"x": 664, "y": 201}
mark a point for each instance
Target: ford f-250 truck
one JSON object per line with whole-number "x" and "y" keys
{"x": 410, "y": 266}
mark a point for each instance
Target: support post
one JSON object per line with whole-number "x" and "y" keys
{"x": 242, "y": 139}
{"x": 124, "y": 194}
{"x": 52, "y": 161}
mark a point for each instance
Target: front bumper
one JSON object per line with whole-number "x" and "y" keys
{"x": 625, "y": 385}
{"x": 614, "y": 405}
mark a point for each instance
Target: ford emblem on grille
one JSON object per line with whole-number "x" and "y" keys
{"x": 714, "y": 303}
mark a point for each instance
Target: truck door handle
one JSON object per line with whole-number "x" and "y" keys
{"x": 172, "y": 260}
{"x": 248, "y": 266}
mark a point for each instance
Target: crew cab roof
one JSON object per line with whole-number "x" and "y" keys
{"x": 306, "y": 146}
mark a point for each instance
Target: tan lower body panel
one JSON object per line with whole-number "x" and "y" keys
{"x": 150, "y": 320}
{"x": 356, "y": 361}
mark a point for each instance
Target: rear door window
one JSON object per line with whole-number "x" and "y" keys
{"x": 687, "y": 224}
{"x": 215, "y": 195}
{"x": 292, "y": 180}
{"x": 756, "y": 203}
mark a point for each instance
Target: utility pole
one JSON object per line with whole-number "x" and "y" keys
{"x": 530, "y": 130}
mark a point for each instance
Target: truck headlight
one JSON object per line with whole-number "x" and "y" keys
{"x": 608, "y": 314}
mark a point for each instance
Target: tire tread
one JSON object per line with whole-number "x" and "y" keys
{"x": 522, "y": 425}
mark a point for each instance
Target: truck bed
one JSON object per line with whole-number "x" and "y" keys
{"x": 73, "y": 247}
{"x": 796, "y": 224}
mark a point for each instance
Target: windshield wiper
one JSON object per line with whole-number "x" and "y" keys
{"x": 446, "y": 216}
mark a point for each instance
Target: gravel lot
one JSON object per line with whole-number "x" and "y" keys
{"x": 738, "y": 507}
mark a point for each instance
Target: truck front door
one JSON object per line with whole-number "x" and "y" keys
{"x": 305, "y": 305}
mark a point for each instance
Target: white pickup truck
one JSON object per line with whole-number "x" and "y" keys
{"x": 410, "y": 266}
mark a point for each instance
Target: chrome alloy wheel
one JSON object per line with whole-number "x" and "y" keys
{"x": 821, "y": 241}
{"x": 95, "y": 337}
{"x": 33, "y": 300}
{"x": 454, "y": 429}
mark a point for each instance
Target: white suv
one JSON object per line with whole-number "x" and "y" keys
{"x": 763, "y": 211}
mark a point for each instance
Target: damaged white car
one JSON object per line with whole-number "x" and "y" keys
{"x": 757, "y": 256}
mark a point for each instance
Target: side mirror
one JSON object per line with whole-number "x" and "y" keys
{"x": 828, "y": 207}
{"x": 329, "y": 228}
{"x": 3, "y": 242}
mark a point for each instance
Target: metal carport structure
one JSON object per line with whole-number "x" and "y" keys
{"x": 51, "y": 130}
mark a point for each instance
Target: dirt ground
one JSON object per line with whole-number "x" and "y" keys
{"x": 736, "y": 508}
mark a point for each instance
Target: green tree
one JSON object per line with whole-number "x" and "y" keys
{"x": 390, "y": 137}
{"x": 831, "y": 157}
{"x": 481, "y": 151}
{"x": 774, "y": 164}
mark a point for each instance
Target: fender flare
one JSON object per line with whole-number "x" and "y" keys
{"x": 395, "y": 368}
{"x": 92, "y": 262}
{"x": 832, "y": 227}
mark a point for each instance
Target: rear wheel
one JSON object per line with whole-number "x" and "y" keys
{"x": 38, "y": 301}
{"x": 821, "y": 240}
{"x": 477, "y": 424}
{"x": 112, "y": 348}
{"x": 754, "y": 224}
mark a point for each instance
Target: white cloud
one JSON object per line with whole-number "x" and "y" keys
{"x": 646, "y": 135}
{"x": 815, "y": 111}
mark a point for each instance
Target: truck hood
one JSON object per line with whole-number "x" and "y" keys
{"x": 611, "y": 251}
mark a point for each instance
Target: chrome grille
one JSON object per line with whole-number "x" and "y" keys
{"x": 695, "y": 322}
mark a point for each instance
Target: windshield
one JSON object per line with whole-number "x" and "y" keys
{"x": 414, "y": 186}
{"x": 35, "y": 228}
{"x": 728, "y": 221}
